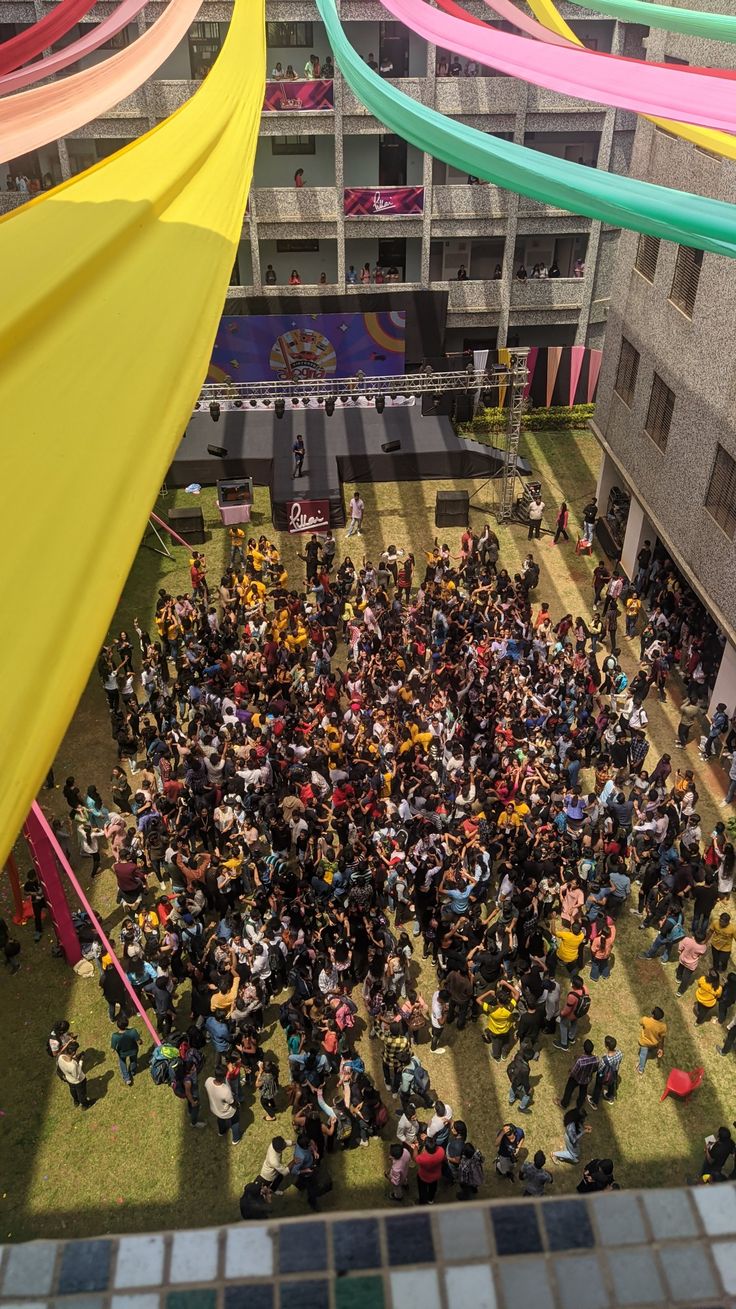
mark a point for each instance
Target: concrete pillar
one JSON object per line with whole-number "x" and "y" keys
{"x": 607, "y": 477}
{"x": 638, "y": 530}
{"x": 724, "y": 690}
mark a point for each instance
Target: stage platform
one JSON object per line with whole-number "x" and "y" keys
{"x": 341, "y": 450}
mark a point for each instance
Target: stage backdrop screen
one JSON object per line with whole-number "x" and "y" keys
{"x": 282, "y": 348}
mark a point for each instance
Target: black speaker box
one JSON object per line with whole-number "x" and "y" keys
{"x": 451, "y": 509}
{"x": 189, "y": 523}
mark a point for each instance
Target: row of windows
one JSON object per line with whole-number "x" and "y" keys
{"x": 720, "y": 499}
{"x": 686, "y": 275}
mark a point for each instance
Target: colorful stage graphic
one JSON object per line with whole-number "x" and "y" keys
{"x": 373, "y": 201}
{"x": 302, "y": 346}
{"x": 298, "y": 96}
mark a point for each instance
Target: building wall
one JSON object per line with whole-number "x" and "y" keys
{"x": 693, "y": 356}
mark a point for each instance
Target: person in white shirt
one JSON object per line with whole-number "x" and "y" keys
{"x": 223, "y": 1106}
{"x": 357, "y": 509}
{"x": 273, "y": 1169}
{"x": 536, "y": 509}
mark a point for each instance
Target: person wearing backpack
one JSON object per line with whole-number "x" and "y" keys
{"x": 718, "y": 725}
{"x": 576, "y": 1007}
{"x": 396, "y": 1055}
{"x": 581, "y": 1075}
{"x": 471, "y": 1175}
{"x": 518, "y": 1073}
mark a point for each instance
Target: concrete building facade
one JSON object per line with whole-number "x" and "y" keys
{"x": 666, "y": 407}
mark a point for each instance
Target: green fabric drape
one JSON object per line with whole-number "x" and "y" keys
{"x": 621, "y": 201}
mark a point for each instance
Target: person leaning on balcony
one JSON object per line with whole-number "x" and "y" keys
{"x": 270, "y": 278}
{"x": 295, "y": 279}
{"x": 299, "y": 178}
{"x": 521, "y": 273}
{"x": 554, "y": 270}
{"x": 497, "y": 273}
{"x": 365, "y": 273}
{"x": 277, "y": 72}
{"x": 311, "y": 68}
{"x": 352, "y": 275}
{"x": 289, "y": 75}
{"x": 462, "y": 273}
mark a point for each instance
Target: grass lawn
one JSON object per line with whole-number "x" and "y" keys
{"x": 132, "y": 1163}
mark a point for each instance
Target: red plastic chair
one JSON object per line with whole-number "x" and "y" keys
{"x": 682, "y": 1083}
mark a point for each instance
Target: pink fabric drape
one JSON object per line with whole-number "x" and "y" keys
{"x": 19, "y": 49}
{"x": 115, "y": 22}
{"x": 577, "y": 355}
{"x": 531, "y": 363}
{"x": 554, "y": 355}
{"x": 594, "y": 368}
{"x": 32, "y": 118}
{"x": 695, "y": 99}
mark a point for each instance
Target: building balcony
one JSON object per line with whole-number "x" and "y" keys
{"x": 284, "y": 204}
{"x": 133, "y": 106}
{"x": 471, "y": 296}
{"x": 11, "y": 200}
{"x": 478, "y": 95}
{"x": 469, "y": 202}
{"x": 415, "y": 87}
{"x": 169, "y": 95}
{"x": 555, "y": 293}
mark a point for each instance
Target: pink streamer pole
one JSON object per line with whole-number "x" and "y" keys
{"x": 179, "y": 539}
{"x": 38, "y": 817}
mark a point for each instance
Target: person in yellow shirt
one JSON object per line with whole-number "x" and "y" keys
{"x": 633, "y": 609}
{"x": 721, "y": 934}
{"x": 509, "y": 818}
{"x": 569, "y": 941}
{"x": 652, "y": 1032}
{"x": 707, "y": 994}
{"x": 237, "y": 541}
{"x": 501, "y": 1017}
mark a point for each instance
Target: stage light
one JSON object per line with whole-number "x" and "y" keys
{"x": 266, "y": 403}
{"x": 295, "y": 400}
{"x": 253, "y": 404}
{"x": 214, "y": 411}
{"x": 197, "y": 405}
{"x": 279, "y": 408}
{"x": 344, "y": 399}
{"x": 238, "y": 404}
{"x": 380, "y": 403}
{"x": 330, "y": 406}
{"x": 218, "y": 451}
{"x": 305, "y": 400}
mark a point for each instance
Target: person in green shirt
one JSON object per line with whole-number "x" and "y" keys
{"x": 125, "y": 1043}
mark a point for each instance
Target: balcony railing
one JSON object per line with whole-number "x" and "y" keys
{"x": 416, "y": 87}
{"x": 466, "y": 201}
{"x": 11, "y": 200}
{"x": 171, "y": 94}
{"x": 549, "y": 293}
{"x": 477, "y": 95}
{"x": 471, "y": 296}
{"x": 289, "y": 204}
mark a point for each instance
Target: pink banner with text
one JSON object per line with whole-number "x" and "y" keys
{"x": 373, "y": 201}
{"x": 307, "y": 97}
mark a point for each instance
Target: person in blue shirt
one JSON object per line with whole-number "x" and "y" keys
{"x": 218, "y": 1033}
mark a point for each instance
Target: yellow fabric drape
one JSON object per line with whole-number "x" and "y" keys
{"x": 721, "y": 143}
{"x": 113, "y": 285}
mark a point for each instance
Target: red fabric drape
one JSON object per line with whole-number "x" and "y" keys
{"x": 26, "y": 45}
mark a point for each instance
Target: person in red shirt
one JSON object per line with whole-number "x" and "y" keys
{"x": 429, "y": 1163}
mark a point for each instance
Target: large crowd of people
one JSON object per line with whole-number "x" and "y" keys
{"x": 319, "y": 787}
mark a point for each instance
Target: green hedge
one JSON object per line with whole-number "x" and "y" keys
{"x": 540, "y": 419}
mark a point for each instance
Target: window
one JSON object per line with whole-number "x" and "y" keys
{"x": 720, "y": 500}
{"x": 291, "y": 36}
{"x": 204, "y": 47}
{"x": 647, "y": 253}
{"x": 628, "y": 368}
{"x": 686, "y": 278}
{"x": 293, "y": 145}
{"x": 659, "y": 413}
{"x": 117, "y": 42}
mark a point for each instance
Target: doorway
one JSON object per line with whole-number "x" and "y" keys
{"x": 393, "y": 49}
{"x": 391, "y": 161}
{"x": 392, "y": 254}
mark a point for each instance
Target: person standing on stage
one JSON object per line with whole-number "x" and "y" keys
{"x": 298, "y": 452}
{"x": 357, "y": 509}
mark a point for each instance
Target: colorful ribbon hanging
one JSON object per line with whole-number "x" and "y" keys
{"x": 622, "y": 201}
{"x": 113, "y": 287}
{"x": 121, "y": 15}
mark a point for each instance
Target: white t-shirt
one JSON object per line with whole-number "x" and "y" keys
{"x": 220, "y": 1098}
{"x": 356, "y": 508}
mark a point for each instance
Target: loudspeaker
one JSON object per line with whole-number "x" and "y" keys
{"x": 189, "y": 523}
{"x": 389, "y": 447}
{"x": 437, "y": 404}
{"x": 217, "y": 451}
{"x": 463, "y": 406}
{"x": 451, "y": 509}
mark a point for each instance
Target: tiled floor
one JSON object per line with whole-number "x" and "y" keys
{"x": 656, "y": 1248}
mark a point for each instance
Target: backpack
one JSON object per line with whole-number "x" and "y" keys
{"x": 268, "y": 1089}
{"x": 164, "y": 1066}
{"x": 344, "y": 1016}
{"x": 420, "y": 1080}
{"x": 381, "y": 1117}
{"x": 276, "y": 961}
{"x": 344, "y": 1129}
{"x": 356, "y": 1063}
{"x": 583, "y": 1006}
